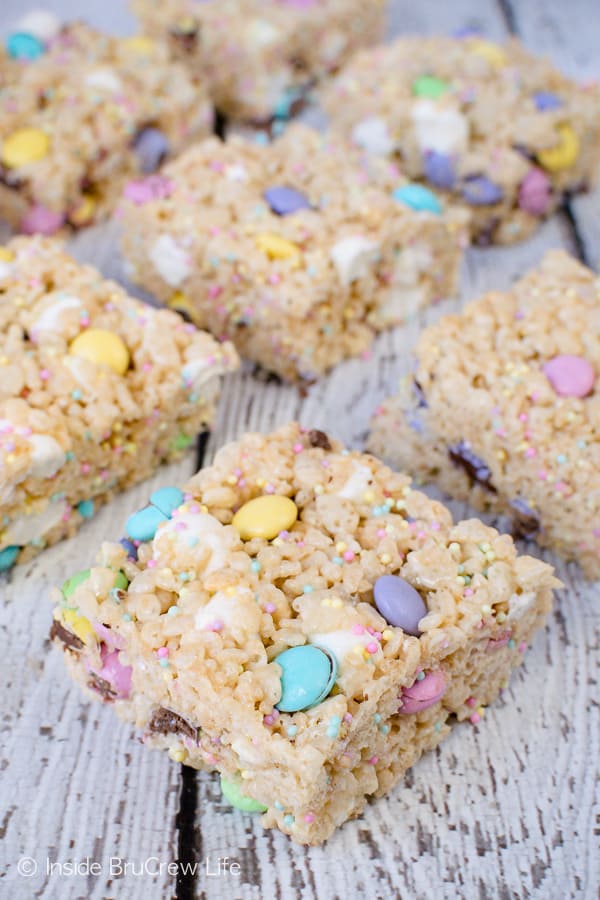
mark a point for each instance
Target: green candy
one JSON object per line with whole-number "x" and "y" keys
{"x": 429, "y": 86}
{"x": 182, "y": 441}
{"x": 121, "y": 582}
{"x": 231, "y": 792}
{"x": 72, "y": 583}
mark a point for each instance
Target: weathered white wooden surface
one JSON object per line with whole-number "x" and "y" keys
{"x": 502, "y": 810}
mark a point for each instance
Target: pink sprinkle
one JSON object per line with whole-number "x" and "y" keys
{"x": 217, "y": 625}
{"x": 44, "y": 374}
{"x": 542, "y": 475}
{"x": 298, "y": 448}
{"x": 348, "y": 717}
{"x": 373, "y": 647}
{"x": 151, "y": 564}
{"x": 523, "y": 417}
{"x": 475, "y": 718}
{"x": 381, "y": 533}
{"x": 530, "y": 452}
{"x": 522, "y": 647}
{"x": 162, "y": 652}
{"x": 309, "y": 817}
{"x": 349, "y": 555}
{"x": 270, "y": 608}
{"x": 358, "y": 628}
{"x": 214, "y": 290}
{"x": 468, "y": 592}
{"x": 269, "y": 489}
{"x": 85, "y": 468}
{"x": 147, "y": 366}
{"x": 470, "y": 701}
{"x": 374, "y": 760}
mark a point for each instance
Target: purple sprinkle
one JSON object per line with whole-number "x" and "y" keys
{"x": 546, "y": 100}
{"x": 129, "y": 547}
{"x": 439, "y": 169}
{"x": 480, "y": 191}
{"x": 285, "y": 200}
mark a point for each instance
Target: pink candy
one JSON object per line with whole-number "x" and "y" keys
{"x": 144, "y": 190}
{"x": 535, "y": 193}
{"x": 40, "y": 220}
{"x": 117, "y": 675}
{"x": 501, "y": 641}
{"x": 423, "y": 694}
{"x": 570, "y": 376}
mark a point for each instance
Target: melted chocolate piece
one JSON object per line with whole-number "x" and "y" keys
{"x": 319, "y": 439}
{"x": 70, "y": 640}
{"x": 525, "y": 520}
{"x": 102, "y": 687}
{"x": 485, "y": 235}
{"x": 164, "y": 721}
{"x": 476, "y": 468}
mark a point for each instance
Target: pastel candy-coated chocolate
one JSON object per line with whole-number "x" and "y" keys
{"x": 143, "y": 524}
{"x": 423, "y": 694}
{"x": 24, "y": 146}
{"x": 232, "y": 793}
{"x": 21, "y": 45}
{"x": 102, "y": 347}
{"x": 265, "y": 517}
{"x": 78, "y": 624}
{"x": 144, "y": 190}
{"x": 564, "y": 154}
{"x": 399, "y": 603}
{"x": 151, "y": 147}
{"x": 129, "y": 548}
{"x": 491, "y": 52}
{"x": 480, "y": 191}
{"x": 307, "y": 677}
{"x": 72, "y": 583}
{"x": 439, "y": 169}
{"x": 570, "y": 376}
{"x": 113, "y": 671}
{"x": 546, "y": 100}
{"x": 535, "y": 193}
{"x": 8, "y": 558}
{"x": 276, "y": 247}
{"x": 429, "y": 86}
{"x": 418, "y": 197}
{"x": 41, "y": 220}
{"x": 285, "y": 200}
{"x": 86, "y": 509}
{"x": 167, "y": 499}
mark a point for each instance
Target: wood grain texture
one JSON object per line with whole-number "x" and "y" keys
{"x": 501, "y": 810}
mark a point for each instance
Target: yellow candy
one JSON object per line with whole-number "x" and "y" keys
{"x": 265, "y": 517}
{"x": 564, "y": 154}
{"x": 104, "y": 347}
{"x": 24, "y": 146}
{"x": 494, "y": 54}
{"x": 276, "y": 247}
{"x": 6, "y": 255}
{"x": 181, "y": 301}
{"x": 139, "y": 44}
{"x": 84, "y": 211}
{"x": 78, "y": 624}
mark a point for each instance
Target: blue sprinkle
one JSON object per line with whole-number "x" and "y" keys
{"x": 126, "y": 617}
{"x": 307, "y": 589}
{"x": 338, "y": 560}
{"x": 255, "y": 565}
{"x": 511, "y": 644}
{"x": 172, "y": 610}
{"x": 292, "y": 730}
{"x": 70, "y": 456}
{"x": 86, "y": 509}
{"x": 278, "y": 806}
{"x": 333, "y": 729}
{"x": 76, "y": 394}
{"x": 377, "y": 718}
{"x": 420, "y": 676}
{"x": 385, "y": 729}
{"x": 288, "y": 820}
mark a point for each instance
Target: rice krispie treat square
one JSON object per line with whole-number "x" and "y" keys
{"x": 496, "y": 127}
{"x": 259, "y": 57}
{"x": 96, "y": 390}
{"x": 303, "y": 621}
{"x": 504, "y": 408}
{"x": 299, "y": 251}
{"x": 80, "y": 114}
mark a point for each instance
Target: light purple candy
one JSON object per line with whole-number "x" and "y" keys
{"x": 151, "y": 147}
{"x": 535, "y": 192}
{"x": 285, "y": 200}
{"x": 480, "y": 191}
{"x": 570, "y": 376}
{"x": 546, "y": 100}
{"x": 399, "y": 603}
{"x": 439, "y": 169}
{"x": 40, "y": 220}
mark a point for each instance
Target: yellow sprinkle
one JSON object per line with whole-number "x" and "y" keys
{"x": 341, "y": 546}
{"x": 231, "y": 479}
{"x": 27, "y": 145}
{"x": 318, "y": 489}
{"x": 481, "y": 711}
{"x": 564, "y": 154}
{"x": 385, "y": 558}
{"x": 177, "y": 754}
{"x": 6, "y": 255}
{"x": 369, "y": 496}
{"x": 276, "y": 247}
{"x": 387, "y": 635}
{"x": 336, "y": 603}
{"x": 246, "y": 774}
{"x": 486, "y": 610}
{"x": 139, "y": 44}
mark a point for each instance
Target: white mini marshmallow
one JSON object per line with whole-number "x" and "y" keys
{"x": 47, "y": 456}
{"x": 50, "y": 318}
{"x": 373, "y": 135}
{"x": 104, "y": 79}
{"x": 441, "y": 129}
{"x": 170, "y": 260}
{"x": 32, "y": 528}
{"x": 518, "y": 606}
{"x": 353, "y": 256}
{"x": 358, "y": 484}
{"x": 41, "y": 23}
{"x": 342, "y": 643}
{"x": 236, "y": 173}
{"x": 191, "y": 534}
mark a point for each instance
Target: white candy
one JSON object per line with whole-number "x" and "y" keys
{"x": 50, "y": 318}
{"x": 353, "y": 256}
{"x": 41, "y": 23}
{"x": 208, "y": 532}
{"x": 358, "y": 483}
{"x": 170, "y": 260}
{"x": 31, "y": 528}
{"x": 231, "y": 610}
{"x": 373, "y": 135}
{"x": 104, "y": 79}
{"x": 440, "y": 129}
{"x": 47, "y": 456}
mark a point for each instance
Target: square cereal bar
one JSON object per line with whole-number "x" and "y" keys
{"x": 96, "y": 390}
{"x": 496, "y": 127}
{"x": 302, "y": 621}
{"x": 299, "y": 251}
{"x": 80, "y": 114}
{"x": 259, "y": 57}
{"x": 504, "y": 408}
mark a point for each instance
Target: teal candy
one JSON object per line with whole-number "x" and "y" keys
{"x": 167, "y": 499}
{"x": 418, "y": 197}
{"x": 86, "y": 509}
{"x": 142, "y": 525}
{"x": 8, "y": 557}
{"x": 307, "y": 677}
{"x": 24, "y": 46}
